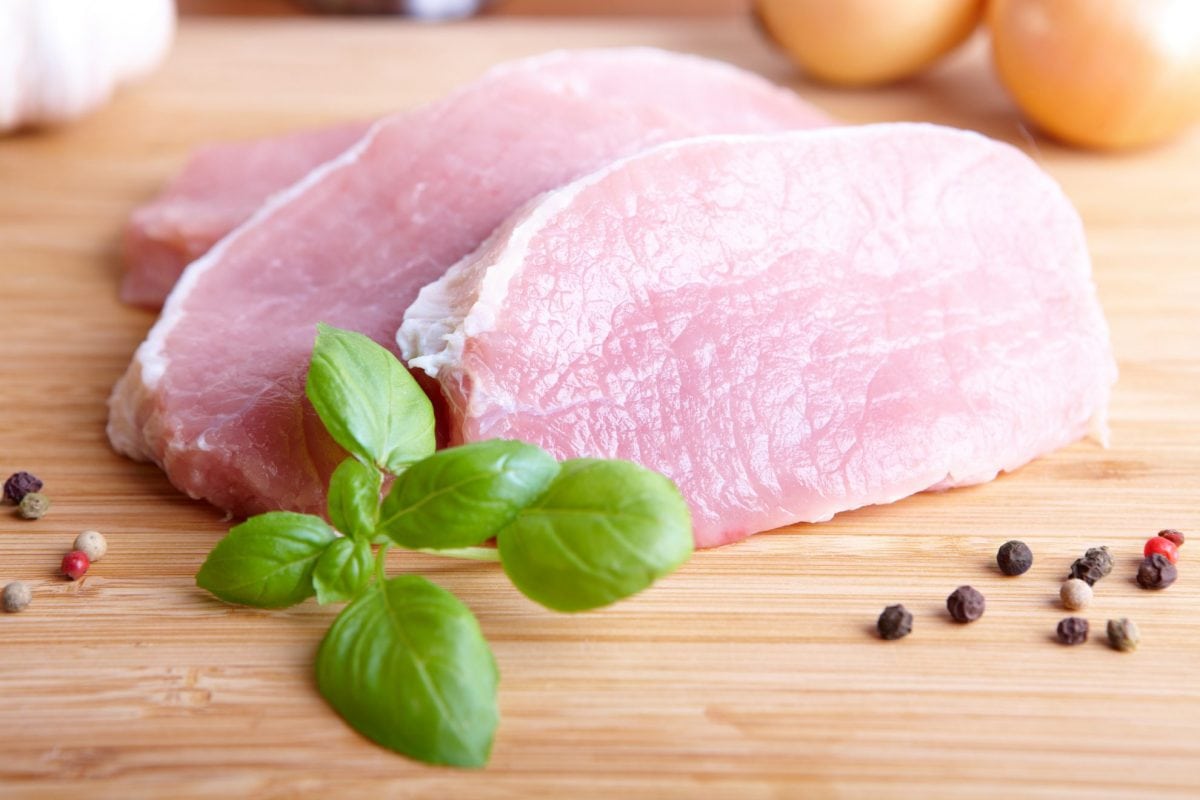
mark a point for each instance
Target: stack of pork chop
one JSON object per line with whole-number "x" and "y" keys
{"x": 626, "y": 253}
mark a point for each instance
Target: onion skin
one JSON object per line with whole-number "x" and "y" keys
{"x": 867, "y": 42}
{"x": 1104, "y": 74}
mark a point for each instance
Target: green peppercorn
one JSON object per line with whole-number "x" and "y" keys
{"x": 33, "y": 505}
{"x": 1073, "y": 630}
{"x": 1123, "y": 635}
{"x": 895, "y": 622}
{"x": 1014, "y": 558}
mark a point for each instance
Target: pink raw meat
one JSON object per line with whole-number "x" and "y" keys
{"x": 219, "y": 188}
{"x": 789, "y": 325}
{"x": 215, "y": 394}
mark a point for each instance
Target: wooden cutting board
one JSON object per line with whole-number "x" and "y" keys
{"x": 752, "y": 673}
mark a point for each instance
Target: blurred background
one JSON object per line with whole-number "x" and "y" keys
{"x": 550, "y": 7}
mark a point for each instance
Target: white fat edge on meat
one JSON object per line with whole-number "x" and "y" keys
{"x": 151, "y": 354}
{"x": 465, "y": 301}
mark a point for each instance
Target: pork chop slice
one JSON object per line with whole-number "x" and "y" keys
{"x": 219, "y": 188}
{"x": 787, "y": 325}
{"x": 215, "y": 394}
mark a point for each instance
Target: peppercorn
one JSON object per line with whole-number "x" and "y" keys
{"x": 965, "y": 604}
{"x": 75, "y": 564}
{"x": 1102, "y": 557}
{"x": 895, "y": 622}
{"x": 1156, "y": 572}
{"x": 1123, "y": 635}
{"x": 92, "y": 544}
{"x": 1163, "y": 546}
{"x": 1075, "y": 594}
{"x": 1014, "y": 558}
{"x": 1073, "y": 630}
{"x": 1172, "y": 535}
{"x": 20, "y": 484}
{"x": 1087, "y": 571}
{"x": 34, "y": 505}
{"x": 16, "y": 596}
{"x": 1095, "y": 564}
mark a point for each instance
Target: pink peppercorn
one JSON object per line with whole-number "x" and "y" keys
{"x": 1174, "y": 536}
{"x": 75, "y": 564}
{"x": 1163, "y": 546}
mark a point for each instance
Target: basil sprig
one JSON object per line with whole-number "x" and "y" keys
{"x": 405, "y": 662}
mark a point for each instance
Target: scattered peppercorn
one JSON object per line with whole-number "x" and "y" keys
{"x": 1095, "y": 564}
{"x": 895, "y": 622}
{"x": 965, "y": 604}
{"x": 1102, "y": 557}
{"x": 1163, "y": 546}
{"x": 1123, "y": 635}
{"x": 1075, "y": 594}
{"x": 20, "y": 484}
{"x": 92, "y": 544}
{"x": 16, "y": 596}
{"x": 34, "y": 505}
{"x": 75, "y": 564}
{"x": 1073, "y": 630}
{"x": 1172, "y": 535}
{"x": 1014, "y": 558}
{"x": 1156, "y": 572}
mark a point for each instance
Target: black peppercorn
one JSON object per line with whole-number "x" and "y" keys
{"x": 1156, "y": 572}
{"x": 1014, "y": 558}
{"x": 20, "y": 484}
{"x": 1073, "y": 630}
{"x": 965, "y": 604}
{"x": 895, "y": 622}
{"x": 1095, "y": 564}
{"x": 1101, "y": 556}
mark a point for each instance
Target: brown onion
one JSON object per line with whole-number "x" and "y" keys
{"x": 1101, "y": 73}
{"x": 865, "y": 42}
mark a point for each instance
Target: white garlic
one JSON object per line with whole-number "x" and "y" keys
{"x": 60, "y": 59}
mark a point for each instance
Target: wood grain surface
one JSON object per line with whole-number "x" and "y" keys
{"x": 752, "y": 673}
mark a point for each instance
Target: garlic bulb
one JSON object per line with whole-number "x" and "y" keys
{"x": 60, "y": 59}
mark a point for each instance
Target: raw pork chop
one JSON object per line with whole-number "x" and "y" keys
{"x": 215, "y": 394}
{"x": 789, "y": 326}
{"x": 219, "y": 188}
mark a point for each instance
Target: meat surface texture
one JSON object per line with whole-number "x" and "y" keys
{"x": 219, "y": 188}
{"x": 215, "y": 394}
{"x": 788, "y": 326}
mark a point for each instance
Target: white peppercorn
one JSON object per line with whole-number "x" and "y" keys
{"x": 1075, "y": 594}
{"x": 93, "y": 544}
{"x": 16, "y": 596}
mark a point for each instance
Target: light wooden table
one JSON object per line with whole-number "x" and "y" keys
{"x": 753, "y": 673}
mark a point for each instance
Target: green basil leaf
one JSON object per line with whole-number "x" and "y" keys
{"x": 407, "y": 666}
{"x": 354, "y": 498}
{"x": 267, "y": 561}
{"x": 604, "y": 530}
{"x": 367, "y": 400}
{"x": 342, "y": 570}
{"x": 462, "y": 496}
